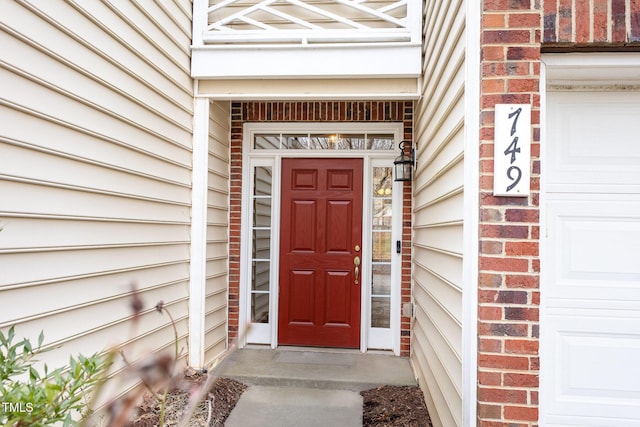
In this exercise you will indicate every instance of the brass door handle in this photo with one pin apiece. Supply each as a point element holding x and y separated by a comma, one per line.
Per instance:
<point>356,261</point>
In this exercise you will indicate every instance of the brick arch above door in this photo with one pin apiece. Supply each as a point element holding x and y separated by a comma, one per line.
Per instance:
<point>312,111</point>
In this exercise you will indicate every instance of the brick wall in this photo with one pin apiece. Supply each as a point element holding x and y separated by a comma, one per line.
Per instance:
<point>320,111</point>
<point>583,23</point>
<point>513,33</point>
<point>509,231</point>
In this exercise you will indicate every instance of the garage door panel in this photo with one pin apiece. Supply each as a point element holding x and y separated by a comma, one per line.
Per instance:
<point>599,149</point>
<point>590,348</point>
<point>597,245</point>
<point>590,258</point>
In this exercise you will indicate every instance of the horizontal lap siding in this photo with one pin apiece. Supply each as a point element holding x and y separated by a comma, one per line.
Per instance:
<point>437,215</point>
<point>217,231</point>
<point>95,142</point>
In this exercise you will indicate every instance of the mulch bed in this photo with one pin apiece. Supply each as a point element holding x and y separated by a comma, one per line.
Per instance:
<point>385,406</point>
<point>215,409</point>
<point>394,406</point>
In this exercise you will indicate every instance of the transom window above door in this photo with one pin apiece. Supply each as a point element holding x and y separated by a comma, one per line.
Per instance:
<point>323,141</point>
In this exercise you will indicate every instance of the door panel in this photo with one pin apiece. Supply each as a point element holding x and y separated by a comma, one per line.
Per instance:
<point>321,225</point>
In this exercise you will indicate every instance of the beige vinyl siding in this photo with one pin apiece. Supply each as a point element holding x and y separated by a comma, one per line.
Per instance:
<point>95,172</point>
<point>217,231</point>
<point>437,214</point>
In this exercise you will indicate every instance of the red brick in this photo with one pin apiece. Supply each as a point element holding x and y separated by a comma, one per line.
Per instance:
<point>634,31</point>
<point>490,345</point>
<point>550,21</point>
<point>565,25</point>
<point>487,199</point>
<point>493,86</point>
<point>535,298</point>
<point>505,5</point>
<point>499,69</point>
<point>486,165</point>
<point>535,265</point>
<point>490,215</point>
<point>506,36</point>
<point>521,313</point>
<point>487,118</point>
<point>512,297</point>
<point>600,20</point>
<point>492,53</point>
<point>504,231</point>
<point>486,183</point>
<point>490,313</point>
<point>535,331</point>
<point>491,247</point>
<point>619,22</point>
<point>504,264</point>
<point>522,281</point>
<point>519,53</point>
<point>489,101</point>
<point>533,397</point>
<point>487,134</point>
<point>486,150</point>
<point>522,215</point>
<point>488,279</point>
<point>490,411</point>
<point>493,20</point>
<point>523,85</point>
<point>489,378</point>
<point>524,20</point>
<point>497,395</point>
<point>511,379</point>
<point>487,296</point>
<point>583,21</point>
<point>521,248</point>
<point>498,329</point>
<point>521,413</point>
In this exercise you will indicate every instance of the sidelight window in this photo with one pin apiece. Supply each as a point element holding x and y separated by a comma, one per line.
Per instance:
<point>381,247</point>
<point>261,244</point>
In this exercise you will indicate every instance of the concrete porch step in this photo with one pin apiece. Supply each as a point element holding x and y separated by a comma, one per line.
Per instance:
<point>316,368</point>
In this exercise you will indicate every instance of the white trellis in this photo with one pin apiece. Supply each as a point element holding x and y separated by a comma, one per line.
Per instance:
<point>311,21</point>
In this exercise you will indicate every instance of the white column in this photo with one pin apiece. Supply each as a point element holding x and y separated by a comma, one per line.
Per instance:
<point>199,22</point>
<point>471,212</point>
<point>198,265</point>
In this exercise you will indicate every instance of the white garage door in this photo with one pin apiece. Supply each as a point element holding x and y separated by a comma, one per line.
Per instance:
<point>590,290</point>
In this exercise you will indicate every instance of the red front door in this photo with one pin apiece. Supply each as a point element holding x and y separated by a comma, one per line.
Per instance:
<point>320,237</point>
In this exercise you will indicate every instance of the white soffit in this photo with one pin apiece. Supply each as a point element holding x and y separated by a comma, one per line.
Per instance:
<point>293,89</point>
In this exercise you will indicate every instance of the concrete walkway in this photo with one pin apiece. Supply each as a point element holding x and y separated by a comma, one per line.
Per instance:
<point>307,387</point>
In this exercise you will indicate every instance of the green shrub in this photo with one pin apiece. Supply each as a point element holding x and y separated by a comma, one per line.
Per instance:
<point>29,397</point>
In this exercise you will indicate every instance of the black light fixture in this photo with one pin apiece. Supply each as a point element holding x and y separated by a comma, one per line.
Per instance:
<point>403,164</point>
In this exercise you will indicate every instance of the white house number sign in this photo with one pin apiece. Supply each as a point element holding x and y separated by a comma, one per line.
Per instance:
<point>512,150</point>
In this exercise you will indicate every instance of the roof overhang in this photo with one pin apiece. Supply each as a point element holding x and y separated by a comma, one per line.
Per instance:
<point>316,89</point>
<point>357,60</point>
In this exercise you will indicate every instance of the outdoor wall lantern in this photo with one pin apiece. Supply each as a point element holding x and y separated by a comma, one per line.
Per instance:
<point>404,164</point>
